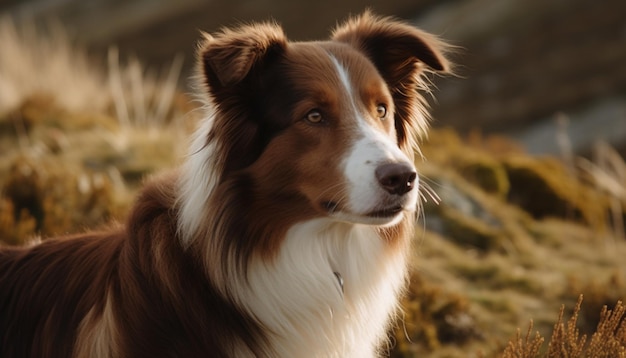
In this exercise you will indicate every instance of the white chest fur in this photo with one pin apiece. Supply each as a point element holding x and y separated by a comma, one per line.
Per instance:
<point>299,299</point>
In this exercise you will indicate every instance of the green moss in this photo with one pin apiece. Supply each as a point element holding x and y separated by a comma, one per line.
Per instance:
<point>487,174</point>
<point>545,188</point>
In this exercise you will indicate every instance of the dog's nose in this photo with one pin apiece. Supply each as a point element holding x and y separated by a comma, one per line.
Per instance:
<point>396,178</point>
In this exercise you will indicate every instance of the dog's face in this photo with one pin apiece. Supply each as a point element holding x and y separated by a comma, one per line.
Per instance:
<point>323,128</point>
<point>337,146</point>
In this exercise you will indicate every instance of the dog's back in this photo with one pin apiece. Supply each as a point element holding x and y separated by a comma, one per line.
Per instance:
<point>46,291</point>
<point>132,292</point>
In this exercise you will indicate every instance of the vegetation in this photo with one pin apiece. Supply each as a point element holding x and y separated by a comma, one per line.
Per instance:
<point>505,238</point>
<point>608,340</point>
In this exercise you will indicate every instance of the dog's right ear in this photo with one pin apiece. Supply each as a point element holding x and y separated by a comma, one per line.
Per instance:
<point>227,58</point>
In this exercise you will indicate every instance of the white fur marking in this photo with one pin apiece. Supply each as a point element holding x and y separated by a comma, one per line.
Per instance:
<point>372,149</point>
<point>297,297</point>
<point>97,335</point>
<point>345,81</point>
<point>198,179</point>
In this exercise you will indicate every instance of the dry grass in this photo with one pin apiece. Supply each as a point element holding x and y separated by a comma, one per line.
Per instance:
<point>608,340</point>
<point>511,264</point>
<point>608,173</point>
<point>32,64</point>
<point>74,148</point>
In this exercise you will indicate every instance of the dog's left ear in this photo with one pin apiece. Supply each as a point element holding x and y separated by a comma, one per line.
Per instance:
<point>401,53</point>
<point>394,47</point>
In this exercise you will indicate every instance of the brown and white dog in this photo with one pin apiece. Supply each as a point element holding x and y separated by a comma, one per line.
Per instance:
<point>284,234</point>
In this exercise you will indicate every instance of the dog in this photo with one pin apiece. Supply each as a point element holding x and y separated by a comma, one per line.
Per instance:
<point>286,231</point>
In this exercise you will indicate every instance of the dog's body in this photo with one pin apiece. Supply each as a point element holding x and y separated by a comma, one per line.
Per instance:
<point>285,233</point>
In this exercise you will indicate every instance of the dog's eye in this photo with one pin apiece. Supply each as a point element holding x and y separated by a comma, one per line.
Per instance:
<point>381,111</point>
<point>314,117</point>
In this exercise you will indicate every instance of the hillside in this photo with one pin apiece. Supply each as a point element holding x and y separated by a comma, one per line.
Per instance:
<point>521,63</point>
<point>505,238</point>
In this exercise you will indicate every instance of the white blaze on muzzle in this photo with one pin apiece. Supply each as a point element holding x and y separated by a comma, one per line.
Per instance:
<point>381,180</point>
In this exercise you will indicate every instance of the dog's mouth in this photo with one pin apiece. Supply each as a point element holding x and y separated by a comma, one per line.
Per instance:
<point>387,212</point>
<point>332,207</point>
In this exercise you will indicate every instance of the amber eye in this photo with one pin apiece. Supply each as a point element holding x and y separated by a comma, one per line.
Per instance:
<point>314,117</point>
<point>381,111</point>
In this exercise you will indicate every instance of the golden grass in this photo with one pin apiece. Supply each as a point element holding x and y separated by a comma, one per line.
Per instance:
<point>32,63</point>
<point>607,341</point>
<point>511,264</point>
<point>73,147</point>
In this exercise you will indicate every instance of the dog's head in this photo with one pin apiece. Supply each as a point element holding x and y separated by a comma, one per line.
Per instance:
<point>330,127</point>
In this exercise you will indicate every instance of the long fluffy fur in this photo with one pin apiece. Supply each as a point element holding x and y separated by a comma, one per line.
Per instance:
<point>227,256</point>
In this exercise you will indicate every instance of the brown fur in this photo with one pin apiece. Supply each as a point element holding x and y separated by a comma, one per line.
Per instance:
<point>48,290</point>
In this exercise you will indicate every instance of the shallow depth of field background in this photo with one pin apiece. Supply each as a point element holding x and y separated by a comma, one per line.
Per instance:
<point>524,178</point>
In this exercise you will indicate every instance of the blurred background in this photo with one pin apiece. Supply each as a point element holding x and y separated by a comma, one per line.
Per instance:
<point>522,63</point>
<point>524,182</point>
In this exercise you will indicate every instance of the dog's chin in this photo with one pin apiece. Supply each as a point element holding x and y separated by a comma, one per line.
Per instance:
<point>387,216</point>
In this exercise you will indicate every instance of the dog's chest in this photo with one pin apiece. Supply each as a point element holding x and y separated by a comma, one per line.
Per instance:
<point>330,292</point>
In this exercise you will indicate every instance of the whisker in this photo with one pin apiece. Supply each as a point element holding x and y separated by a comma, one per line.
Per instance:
<point>332,187</point>
<point>426,189</point>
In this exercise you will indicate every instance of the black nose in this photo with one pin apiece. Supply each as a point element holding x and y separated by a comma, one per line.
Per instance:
<point>396,178</point>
